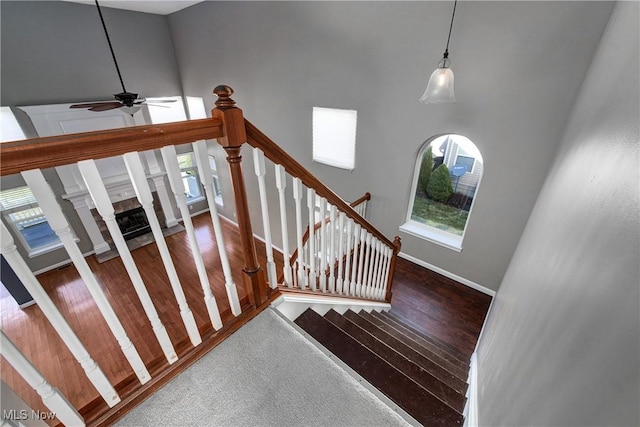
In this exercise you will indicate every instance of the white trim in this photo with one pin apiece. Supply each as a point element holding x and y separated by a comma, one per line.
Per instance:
<point>445,273</point>
<point>432,234</point>
<point>293,305</point>
<point>471,407</point>
<point>27,304</point>
<point>60,264</point>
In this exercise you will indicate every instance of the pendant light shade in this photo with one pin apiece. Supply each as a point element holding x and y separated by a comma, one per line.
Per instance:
<point>440,87</point>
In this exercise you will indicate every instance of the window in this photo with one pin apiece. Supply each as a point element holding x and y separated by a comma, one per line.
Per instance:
<point>217,190</point>
<point>446,178</point>
<point>334,137</point>
<point>189,172</point>
<point>22,213</point>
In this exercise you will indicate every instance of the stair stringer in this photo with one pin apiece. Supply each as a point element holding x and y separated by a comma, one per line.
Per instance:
<point>291,305</point>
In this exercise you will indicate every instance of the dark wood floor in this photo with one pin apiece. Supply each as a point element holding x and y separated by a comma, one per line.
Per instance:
<point>446,310</point>
<point>438,306</point>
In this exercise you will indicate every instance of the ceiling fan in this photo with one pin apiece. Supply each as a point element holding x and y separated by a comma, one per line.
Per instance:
<point>128,101</point>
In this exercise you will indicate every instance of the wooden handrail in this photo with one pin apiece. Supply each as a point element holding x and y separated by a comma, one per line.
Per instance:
<point>273,152</point>
<point>364,198</point>
<point>40,153</point>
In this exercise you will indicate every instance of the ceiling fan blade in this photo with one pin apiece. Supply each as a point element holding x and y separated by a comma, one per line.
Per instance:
<point>106,106</point>
<point>96,104</point>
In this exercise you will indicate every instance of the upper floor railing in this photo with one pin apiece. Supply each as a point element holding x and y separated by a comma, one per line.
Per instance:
<point>343,253</point>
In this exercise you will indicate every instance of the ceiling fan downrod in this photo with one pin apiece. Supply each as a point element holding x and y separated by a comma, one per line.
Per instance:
<point>127,98</point>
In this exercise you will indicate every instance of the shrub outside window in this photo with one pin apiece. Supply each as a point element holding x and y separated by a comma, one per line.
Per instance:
<point>446,179</point>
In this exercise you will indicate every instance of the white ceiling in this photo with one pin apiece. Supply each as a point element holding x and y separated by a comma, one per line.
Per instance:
<point>160,7</point>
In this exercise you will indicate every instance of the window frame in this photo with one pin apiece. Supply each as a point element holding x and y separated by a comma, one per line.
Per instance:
<point>195,175</point>
<point>426,232</point>
<point>26,204</point>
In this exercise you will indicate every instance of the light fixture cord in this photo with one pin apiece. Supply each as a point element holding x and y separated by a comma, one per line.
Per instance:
<point>446,50</point>
<point>111,47</point>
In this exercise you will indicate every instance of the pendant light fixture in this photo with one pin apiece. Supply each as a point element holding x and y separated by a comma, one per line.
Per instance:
<point>440,87</point>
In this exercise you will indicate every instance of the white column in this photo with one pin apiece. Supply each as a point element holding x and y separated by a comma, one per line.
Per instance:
<point>281,184</point>
<point>161,188</point>
<point>363,236</point>
<point>143,192</point>
<point>51,312</point>
<point>206,178</point>
<point>169,156</point>
<point>51,397</point>
<point>101,199</point>
<point>51,210</point>
<point>84,213</point>
<point>260,170</point>
<point>341,254</point>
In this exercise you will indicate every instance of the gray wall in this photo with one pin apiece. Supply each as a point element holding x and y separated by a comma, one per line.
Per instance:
<point>561,346</point>
<point>56,52</point>
<point>518,66</point>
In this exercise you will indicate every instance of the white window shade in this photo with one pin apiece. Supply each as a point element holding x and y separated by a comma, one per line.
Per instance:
<point>334,137</point>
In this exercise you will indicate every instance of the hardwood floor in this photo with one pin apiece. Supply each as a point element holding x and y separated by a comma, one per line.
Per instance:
<point>440,307</point>
<point>444,309</point>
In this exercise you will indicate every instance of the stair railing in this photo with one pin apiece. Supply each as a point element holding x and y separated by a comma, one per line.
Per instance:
<point>346,255</point>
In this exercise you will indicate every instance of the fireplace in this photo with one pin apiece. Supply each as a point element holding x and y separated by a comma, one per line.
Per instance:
<point>133,223</point>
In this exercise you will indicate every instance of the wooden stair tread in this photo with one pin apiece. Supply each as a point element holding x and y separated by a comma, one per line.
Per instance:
<point>416,357</point>
<point>444,347</point>
<point>410,337</point>
<point>432,384</point>
<point>414,399</point>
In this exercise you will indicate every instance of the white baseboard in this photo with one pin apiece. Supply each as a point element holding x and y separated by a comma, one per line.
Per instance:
<point>471,408</point>
<point>448,274</point>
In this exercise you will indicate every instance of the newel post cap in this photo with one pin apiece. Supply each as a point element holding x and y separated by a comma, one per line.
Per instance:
<point>224,93</point>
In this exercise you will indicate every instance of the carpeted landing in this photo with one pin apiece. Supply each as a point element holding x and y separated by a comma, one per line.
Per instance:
<point>266,374</point>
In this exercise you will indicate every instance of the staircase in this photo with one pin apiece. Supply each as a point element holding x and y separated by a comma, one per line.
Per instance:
<point>423,376</point>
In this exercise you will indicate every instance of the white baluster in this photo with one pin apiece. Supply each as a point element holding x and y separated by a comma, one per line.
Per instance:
<point>258,164</point>
<point>58,223</point>
<point>303,279</point>
<point>100,197</point>
<point>376,266</point>
<point>311,241</point>
<point>323,244</point>
<point>55,401</point>
<point>206,178</point>
<point>363,236</point>
<point>170,160</point>
<point>385,276</point>
<point>353,287</point>
<point>332,249</point>
<point>341,254</point>
<point>143,192</point>
<point>367,263</point>
<point>281,184</point>
<point>347,255</point>
<point>51,312</point>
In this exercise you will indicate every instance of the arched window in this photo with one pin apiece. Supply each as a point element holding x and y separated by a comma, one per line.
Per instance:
<point>445,182</point>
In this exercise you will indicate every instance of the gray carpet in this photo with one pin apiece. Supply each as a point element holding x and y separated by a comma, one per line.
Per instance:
<point>266,374</point>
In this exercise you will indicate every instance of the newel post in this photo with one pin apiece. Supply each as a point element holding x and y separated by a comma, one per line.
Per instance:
<point>397,244</point>
<point>232,141</point>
